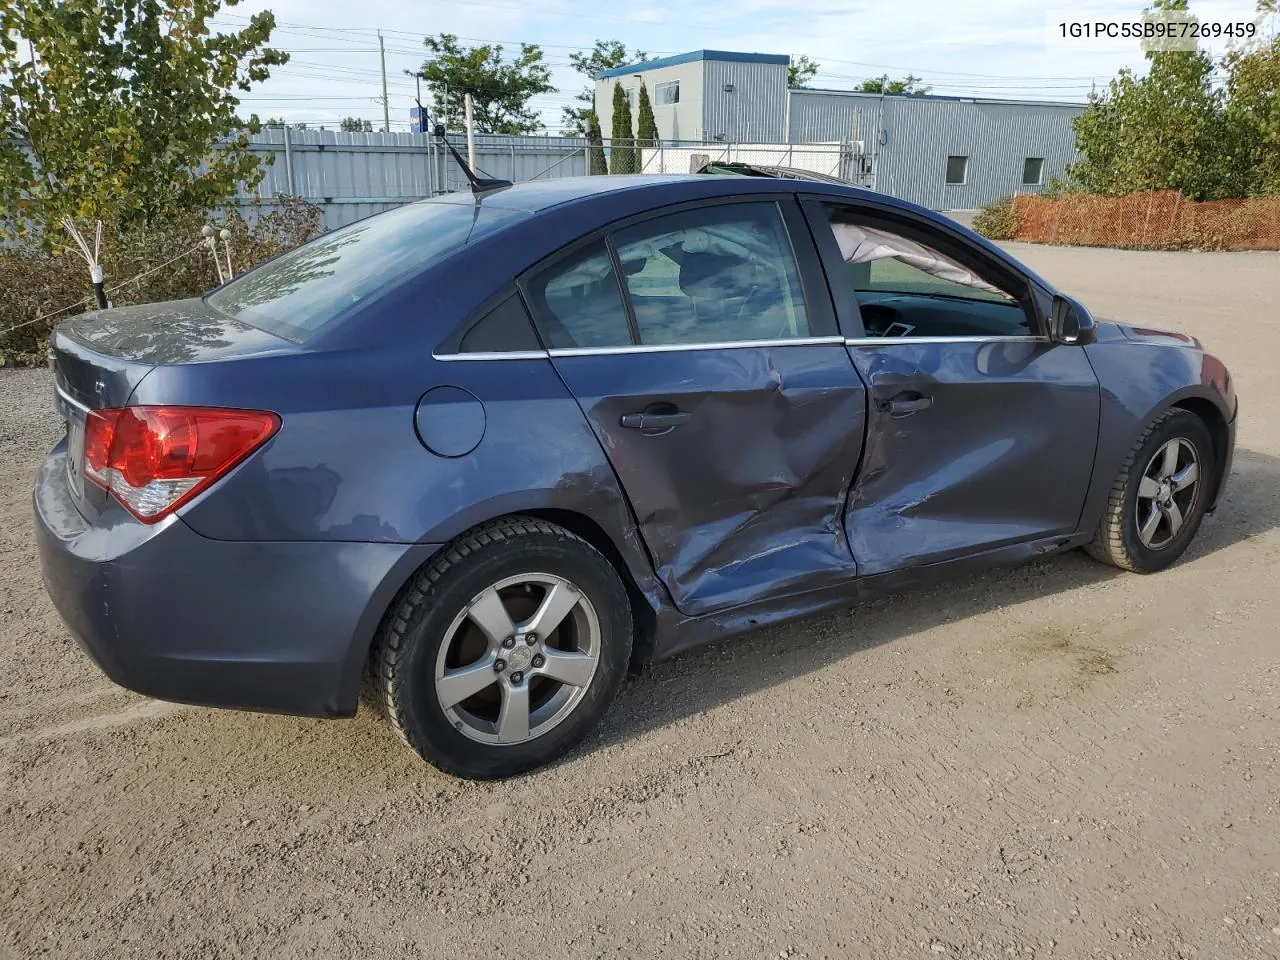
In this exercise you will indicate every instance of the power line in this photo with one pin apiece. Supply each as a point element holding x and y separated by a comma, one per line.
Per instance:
<point>358,40</point>
<point>924,73</point>
<point>290,27</point>
<point>950,73</point>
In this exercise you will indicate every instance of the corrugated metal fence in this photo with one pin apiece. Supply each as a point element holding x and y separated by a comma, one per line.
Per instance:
<point>353,175</point>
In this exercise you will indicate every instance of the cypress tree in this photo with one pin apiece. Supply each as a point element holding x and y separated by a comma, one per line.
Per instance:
<point>646,126</point>
<point>595,146</point>
<point>621,147</point>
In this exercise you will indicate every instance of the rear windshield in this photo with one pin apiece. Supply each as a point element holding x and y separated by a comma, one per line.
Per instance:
<point>301,292</point>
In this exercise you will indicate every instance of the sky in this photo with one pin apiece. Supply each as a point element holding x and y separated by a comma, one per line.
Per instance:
<point>996,48</point>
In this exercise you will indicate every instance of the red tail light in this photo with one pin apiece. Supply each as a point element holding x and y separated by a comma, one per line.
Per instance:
<point>154,459</point>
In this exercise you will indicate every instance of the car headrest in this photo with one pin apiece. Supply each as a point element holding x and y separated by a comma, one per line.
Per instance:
<point>714,276</point>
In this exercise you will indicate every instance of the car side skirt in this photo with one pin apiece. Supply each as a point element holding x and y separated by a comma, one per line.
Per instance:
<point>678,636</point>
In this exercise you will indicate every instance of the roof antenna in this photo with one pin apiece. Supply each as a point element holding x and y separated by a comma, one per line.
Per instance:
<point>478,184</point>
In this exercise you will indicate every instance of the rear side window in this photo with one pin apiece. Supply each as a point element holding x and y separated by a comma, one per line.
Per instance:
<point>578,303</point>
<point>721,274</point>
<point>302,292</point>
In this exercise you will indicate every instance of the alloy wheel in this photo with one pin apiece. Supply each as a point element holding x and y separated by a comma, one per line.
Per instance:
<point>518,659</point>
<point>1167,493</point>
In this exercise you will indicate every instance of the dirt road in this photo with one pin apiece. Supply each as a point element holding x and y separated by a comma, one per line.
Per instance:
<point>1053,761</point>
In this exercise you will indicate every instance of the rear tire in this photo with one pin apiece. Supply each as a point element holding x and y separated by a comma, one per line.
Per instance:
<point>1159,497</point>
<point>504,652</point>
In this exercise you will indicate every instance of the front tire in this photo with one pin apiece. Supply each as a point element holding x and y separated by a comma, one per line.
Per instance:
<point>504,651</point>
<point>1160,496</point>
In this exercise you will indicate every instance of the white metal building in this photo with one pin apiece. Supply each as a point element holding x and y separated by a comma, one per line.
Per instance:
<point>948,153</point>
<point>706,95</point>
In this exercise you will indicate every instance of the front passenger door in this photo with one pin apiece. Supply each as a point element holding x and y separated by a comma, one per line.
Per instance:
<point>704,354</point>
<point>981,431</point>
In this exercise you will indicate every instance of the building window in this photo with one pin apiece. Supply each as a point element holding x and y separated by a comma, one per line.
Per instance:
<point>631,96</point>
<point>957,169</point>
<point>666,94</point>
<point>1033,171</point>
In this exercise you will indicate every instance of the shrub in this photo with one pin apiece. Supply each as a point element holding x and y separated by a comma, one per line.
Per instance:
<point>998,220</point>
<point>1054,189</point>
<point>163,262</point>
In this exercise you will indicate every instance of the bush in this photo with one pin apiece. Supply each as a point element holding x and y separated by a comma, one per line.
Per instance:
<point>998,220</point>
<point>1054,189</point>
<point>165,262</point>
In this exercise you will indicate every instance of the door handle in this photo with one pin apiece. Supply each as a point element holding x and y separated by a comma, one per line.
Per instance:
<point>907,403</point>
<point>663,418</point>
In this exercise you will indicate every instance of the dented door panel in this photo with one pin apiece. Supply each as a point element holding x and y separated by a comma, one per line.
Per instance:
<point>743,498</point>
<point>1002,451</point>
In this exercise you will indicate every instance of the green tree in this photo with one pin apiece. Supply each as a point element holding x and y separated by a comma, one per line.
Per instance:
<point>800,71</point>
<point>646,124</point>
<point>355,125</point>
<point>1163,131</point>
<point>500,89</point>
<point>604,55</point>
<point>1253,112</point>
<point>622,154</point>
<point>111,109</point>
<point>595,142</point>
<point>908,84</point>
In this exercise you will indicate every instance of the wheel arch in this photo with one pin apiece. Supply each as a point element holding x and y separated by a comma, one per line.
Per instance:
<point>648,602</point>
<point>1219,431</point>
<point>642,606</point>
<point>1130,405</point>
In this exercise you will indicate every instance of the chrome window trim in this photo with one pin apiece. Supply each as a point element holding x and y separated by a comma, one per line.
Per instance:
<point>493,355</point>
<point>722,345</point>
<point>683,347</point>
<point>880,341</point>
<point>70,400</point>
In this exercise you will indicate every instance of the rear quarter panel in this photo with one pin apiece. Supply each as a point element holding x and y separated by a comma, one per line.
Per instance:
<point>347,464</point>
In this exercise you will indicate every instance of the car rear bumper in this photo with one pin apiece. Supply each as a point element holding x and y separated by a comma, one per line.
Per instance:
<point>276,627</point>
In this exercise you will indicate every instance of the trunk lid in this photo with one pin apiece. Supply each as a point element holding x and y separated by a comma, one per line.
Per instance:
<point>100,358</point>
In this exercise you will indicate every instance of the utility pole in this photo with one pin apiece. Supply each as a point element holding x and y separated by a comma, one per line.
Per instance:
<point>417,98</point>
<point>879,144</point>
<point>386,106</point>
<point>471,135</point>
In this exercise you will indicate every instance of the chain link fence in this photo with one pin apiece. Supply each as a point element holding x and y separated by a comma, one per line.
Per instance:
<point>846,160</point>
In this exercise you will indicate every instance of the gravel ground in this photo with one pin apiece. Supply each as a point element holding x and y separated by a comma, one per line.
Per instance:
<point>1053,761</point>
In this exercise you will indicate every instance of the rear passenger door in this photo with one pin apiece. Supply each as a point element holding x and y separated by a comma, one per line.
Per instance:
<point>702,346</point>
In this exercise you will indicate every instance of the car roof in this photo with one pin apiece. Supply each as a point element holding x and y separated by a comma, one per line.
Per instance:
<point>585,200</point>
<point>539,195</point>
<point>557,215</point>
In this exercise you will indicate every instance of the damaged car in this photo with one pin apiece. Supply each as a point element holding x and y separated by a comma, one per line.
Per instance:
<point>479,454</point>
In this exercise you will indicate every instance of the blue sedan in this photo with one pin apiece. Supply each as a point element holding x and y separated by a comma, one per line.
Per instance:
<point>479,454</point>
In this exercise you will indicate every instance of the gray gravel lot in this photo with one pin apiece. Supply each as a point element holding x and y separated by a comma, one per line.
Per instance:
<point>1053,761</point>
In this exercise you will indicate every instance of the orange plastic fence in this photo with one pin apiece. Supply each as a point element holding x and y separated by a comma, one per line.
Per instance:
<point>1161,220</point>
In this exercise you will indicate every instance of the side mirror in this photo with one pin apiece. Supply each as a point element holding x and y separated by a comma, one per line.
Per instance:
<point>1070,323</point>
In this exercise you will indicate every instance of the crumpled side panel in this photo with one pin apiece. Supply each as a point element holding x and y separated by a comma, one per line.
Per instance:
<point>745,499</point>
<point>1003,452</point>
